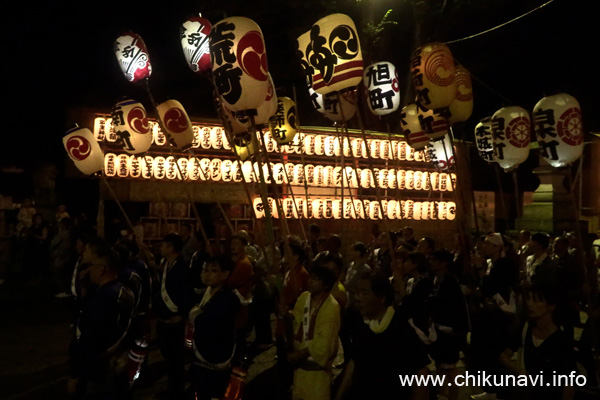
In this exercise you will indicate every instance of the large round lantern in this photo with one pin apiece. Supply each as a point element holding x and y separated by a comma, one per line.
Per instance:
<point>462,106</point>
<point>84,150</point>
<point>433,74</point>
<point>381,87</point>
<point>334,54</point>
<point>484,139</point>
<point>303,47</point>
<point>176,123</point>
<point>511,128</point>
<point>239,63</point>
<point>340,106</point>
<point>268,108</point>
<point>283,123</point>
<point>411,127</point>
<point>559,129</point>
<point>243,145</point>
<point>133,57</point>
<point>130,123</point>
<point>441,153</point>
<point>194,35</point>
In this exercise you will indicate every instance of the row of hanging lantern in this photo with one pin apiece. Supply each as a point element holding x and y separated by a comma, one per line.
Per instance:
<point>160,167</point>
<point>504,137</point>
<point>330,208</point>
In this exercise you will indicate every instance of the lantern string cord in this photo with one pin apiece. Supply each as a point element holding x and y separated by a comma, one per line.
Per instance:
<point>501,25</point>
<point>482,83</point>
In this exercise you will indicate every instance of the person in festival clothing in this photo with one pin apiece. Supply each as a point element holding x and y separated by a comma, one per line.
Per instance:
<point>338,291</point>
<point>357,267</point>
<point>100,329</point>
<point>540,268</point>
<point>316,325</point>
<point>196,264</point>
<point>213,320</point>
<point>408,236</point>
<point>171,306</point>
<point>384,346</point>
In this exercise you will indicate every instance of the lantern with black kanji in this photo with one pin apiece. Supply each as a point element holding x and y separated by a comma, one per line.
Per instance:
<point>381,88</point>
<point>84,150</point>
<point>559,129</point>
<point>130,123</point>
<point>441,153</point>
<point>511,129</point>
<point>484,139</point>
<point>334,54</point>
<point>433,74</point>
<point>194,36</point>
<point>133,57</point>
<point>340,106</point>
<point>283,123</point>
<point>239,63</point>
<point>413,133</point>
<point>177,123</point>
<point>434,123</point>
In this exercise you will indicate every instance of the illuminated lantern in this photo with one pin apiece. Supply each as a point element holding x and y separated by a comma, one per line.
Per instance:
<point>484,139</point>
<point>374,210</point>
<point>442,211</point>
<point>329,145</point>
<point>205,169</point>
<point>511,128</point>
<point>267,109</point>
<point>298,177</point>
<point>170,168</point>
<point>417,211</point>
<point>283,123</point>
<point>158,167</point>
<point>84,150</point>
<point>320,145</point>
<point>132,56</point>
<point>239,63</point>
<point>443,182</point>
<point>216,138</point>
<point>337,147</point>
<point>309,144</point>
<point>243,145</point>
<point>196,141</point>
<point>425,184</point>
<point>334,54</point>
<point>147,167</point>
<point>340,107</point>
<point>434,75</point>
<point>392,181</point>
<point>289,208</point>
<point>122,165</point>
<point>420,156</point>
<point>358,148</point>
<point>359,206</point>
<point>303,46</point>
<point>317,100</point>
<point>110,135</point>
<point>461,107</point>
<point>350,178</point>
<point>225,141</point>
<point>248,172</point>
<point>384,150</point>
<point>328,178</point>
<point>366,178</point>
<point>158,136</point>
<point>135,166</point>
<point>279,173</point>
<point>451,206</point>
<point>100,128</point>
<point>328,208</point>
<point>381,88</point>
<point>177,123</point>
<point>319,178</point>
<point>301,205</point>
<point>559,129</point>
<point>194,36</point>
<point>402,150</point>
<point>130,124</point>
<point>309,173</point>
<point>226,171</point>
<point>411,127</point>
<point>348,211</point>
<point>182,171</point>
<point>434,178</point>
<point>205,138</point>
<point>193,168</point>
<point>382,178</point>
<point>110,164</point>
<point>337,209</point>
<point>236,172</point>
<point>256,170</point>
<point>318,209</point>
<point>418,185</point>
<point>410,180</point>
<point>338,176</point>
<point>375,148</point>
<point>269,142</point>
<point>441,153</point>
<point>434,124</point>
<point>401,179</point>
<point>259,209</point>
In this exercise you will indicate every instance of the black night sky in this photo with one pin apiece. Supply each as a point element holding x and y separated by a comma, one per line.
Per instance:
<point>59,56</point>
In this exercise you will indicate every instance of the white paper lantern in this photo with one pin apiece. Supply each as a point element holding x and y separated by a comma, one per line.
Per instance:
<point>434,124</point>
<point>382,178</point>
<point>289,208</point>
<point>418,180</point>
<point>366,178</point>
<point>205,172</point>
<point>147,167</point>
<point>338,176</point>
<point>392,179</point>
<point>301,205</point>
<point>110,164</point>
<point>298,175</point>
<point>318,209</point>
<point>392,209</point>
<point>385,150</point>
<point>340,106</point>
<point>451,216</point>
<point>401,179</point>
<point>224,140</point>
<point>375,148</point>
<point>216,138</point>
<point>328,178</point>
<point>328,208</point>
<point>511,128</point>
<point>133,57</point>
<point>283,124</point>
<point>381,88</point>
<point>196,141</point>
<point>411,127</point>
<point>350,177</point>
<point>226,170</point>
<point>239,63</point>
<point>135,166</point>
<point>193,168</point>
<point>130,124</point>
<point>559,129</point>
<point>441,153</point>
<point>236,172</point>
<point>337,209</point>
<point>122,165</point>
<point>484,139</point>
<point>194,36</point>
<point>259,208</point>
<point>335,54</point>
<point>434,178</point>
<point>309,144</point>
<point>309,174</point>
<point>374,210</point>
<point>410,180</point>
<point>170,168</point>
<point>84,150</point>
<point>444,186</point>
<point>434,75</point>
<point>158,167</point>
<point>320,145</point>
<point>417,213</point>
<point>99,128</point>
<point>177,123</point>
<point>329,145</point>
<point>461,107</point>
<point>425,183</point>
<point>319,178</point>
<point>359,206</point>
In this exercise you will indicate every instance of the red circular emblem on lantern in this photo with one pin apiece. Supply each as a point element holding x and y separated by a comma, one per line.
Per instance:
<point>78,148</point>
<point>570,127</point>
<point>138,120</point>
<point>438,67</point>
<point>252,57</point>
<point>175,121</point>
<point>517,132</point>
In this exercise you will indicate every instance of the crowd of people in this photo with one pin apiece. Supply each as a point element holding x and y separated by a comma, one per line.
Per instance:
<point>394,305</point>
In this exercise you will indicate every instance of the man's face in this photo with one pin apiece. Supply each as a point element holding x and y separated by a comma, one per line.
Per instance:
<point>537,307</point>
<point>368,304</point>
<point>213,275</point>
